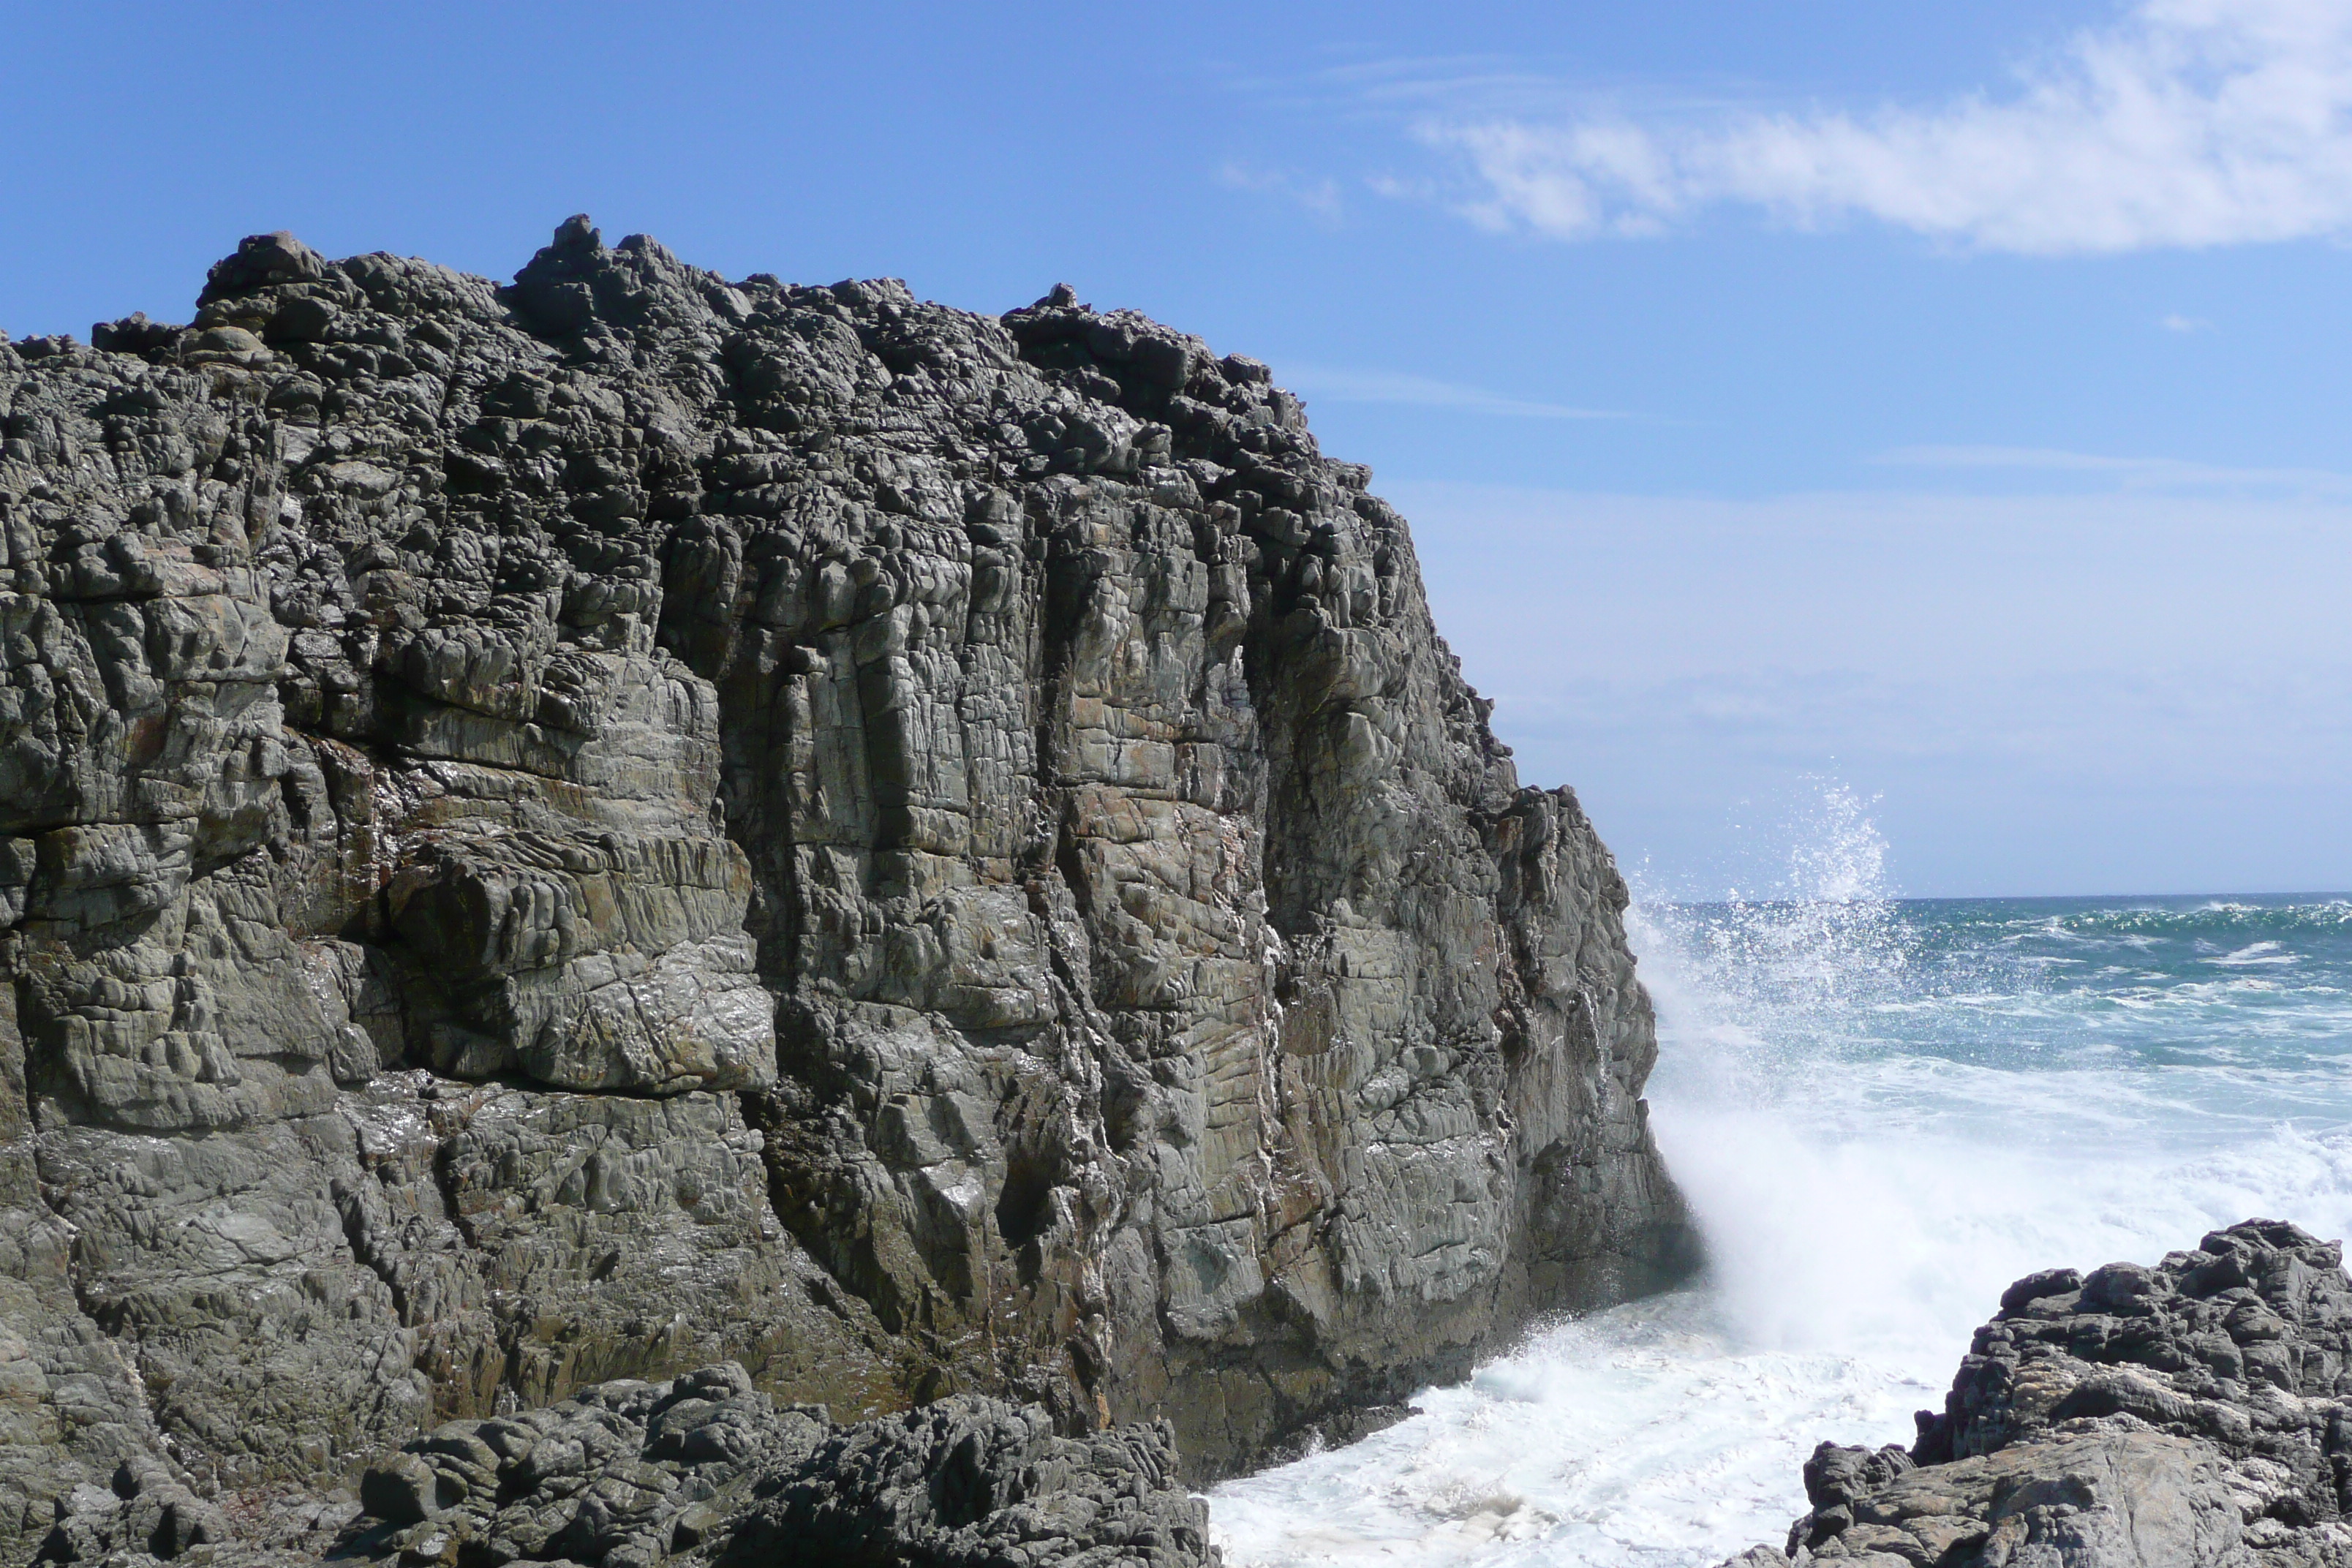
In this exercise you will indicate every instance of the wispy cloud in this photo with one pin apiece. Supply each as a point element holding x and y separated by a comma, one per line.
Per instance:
<point>2185,124</point>
<point>2138,473</point>
<point>1421,392</point>
<point>1319,197</point>
<point>2176,322</point>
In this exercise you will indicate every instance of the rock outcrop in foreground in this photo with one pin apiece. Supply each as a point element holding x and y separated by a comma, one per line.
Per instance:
<point>2195,1414</point>
<point>702,1471</point>
<point>594,828</point>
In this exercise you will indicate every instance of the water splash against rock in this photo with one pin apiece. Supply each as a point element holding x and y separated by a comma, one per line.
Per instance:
<point>1753,983</point>
<point>1884,1112</point>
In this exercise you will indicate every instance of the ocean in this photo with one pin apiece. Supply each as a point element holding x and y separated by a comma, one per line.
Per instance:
<point>1882,1111</point>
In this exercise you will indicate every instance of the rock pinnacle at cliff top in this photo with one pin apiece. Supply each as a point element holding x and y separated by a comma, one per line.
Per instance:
<point>630,822</point>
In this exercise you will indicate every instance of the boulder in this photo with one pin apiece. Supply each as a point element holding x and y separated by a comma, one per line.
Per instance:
<point>705,1470</point>
<point>2196,1414</point>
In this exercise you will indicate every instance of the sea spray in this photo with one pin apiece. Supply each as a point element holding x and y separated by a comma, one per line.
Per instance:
<point>1767,1003</point>
<point>1884,1111</point>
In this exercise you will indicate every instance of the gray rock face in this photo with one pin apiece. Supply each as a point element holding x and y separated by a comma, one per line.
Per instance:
<point>694,1472</point>
<point>591,828</point>
<point>2198,1413</point>
<point>2099,1500</point>
<point>706,1470</point>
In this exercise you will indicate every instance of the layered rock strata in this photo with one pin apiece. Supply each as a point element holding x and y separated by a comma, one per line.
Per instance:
<point>2195,1414</point>
<point>589,828</point>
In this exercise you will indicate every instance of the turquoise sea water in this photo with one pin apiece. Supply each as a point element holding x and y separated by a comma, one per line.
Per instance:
<point>1883,1111</point>
<point>2115,1019</point>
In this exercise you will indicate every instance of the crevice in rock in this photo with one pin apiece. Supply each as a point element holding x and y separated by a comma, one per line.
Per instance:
<point>1024,1208</point>
<point>349,1201</point>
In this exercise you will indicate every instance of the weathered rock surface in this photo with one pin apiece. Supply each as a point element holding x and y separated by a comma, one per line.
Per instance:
<point>704,1469</point>
<point>629,821</point>
<point>700,1471</point>
<point>2193,1415</point>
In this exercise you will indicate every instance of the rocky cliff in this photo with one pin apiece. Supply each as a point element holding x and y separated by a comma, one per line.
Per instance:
<point>587,828</point>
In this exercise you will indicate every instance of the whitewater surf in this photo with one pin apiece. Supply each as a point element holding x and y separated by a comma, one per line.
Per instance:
<point>1883,1113</point>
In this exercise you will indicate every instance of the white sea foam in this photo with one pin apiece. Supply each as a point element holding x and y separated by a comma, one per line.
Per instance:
<point>1877,1134</point>
<point>2255,953</point>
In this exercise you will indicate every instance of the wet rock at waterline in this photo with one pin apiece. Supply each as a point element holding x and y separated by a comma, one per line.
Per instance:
<point>2194,1415</point>
<point>629,821</point>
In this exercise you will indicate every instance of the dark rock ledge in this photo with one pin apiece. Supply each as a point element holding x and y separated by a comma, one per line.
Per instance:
<point>557,836</point>
<point>2195,1414</point>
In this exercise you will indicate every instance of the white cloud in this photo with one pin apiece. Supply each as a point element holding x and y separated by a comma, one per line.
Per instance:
<point>1421,392</point>
<point>1319,197</point>
<point>2185,124</point>
<point>2176,322</point>
<point>2132,473</point>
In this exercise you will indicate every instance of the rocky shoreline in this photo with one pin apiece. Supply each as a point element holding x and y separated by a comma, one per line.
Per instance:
<point>702,1471</point>
<point>563,836</point>
<point>2190,1415</point>
<point>2195,1414</point>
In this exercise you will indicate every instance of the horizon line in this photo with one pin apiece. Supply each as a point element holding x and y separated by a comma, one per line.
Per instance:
<point>2344,895</point>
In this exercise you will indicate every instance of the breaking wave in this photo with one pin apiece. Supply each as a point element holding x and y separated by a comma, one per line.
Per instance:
<point>1882,1111</point>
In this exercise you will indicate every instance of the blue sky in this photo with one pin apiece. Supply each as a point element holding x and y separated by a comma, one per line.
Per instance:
<point>1950,401</point>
